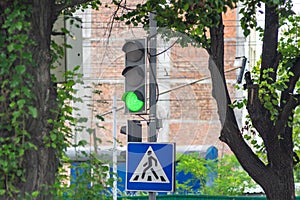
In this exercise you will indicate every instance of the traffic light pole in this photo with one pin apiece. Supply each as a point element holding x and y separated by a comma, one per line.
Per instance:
<point>152,86</point>
<point>152,80</point>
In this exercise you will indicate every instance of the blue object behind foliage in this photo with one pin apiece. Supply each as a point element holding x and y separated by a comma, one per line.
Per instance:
<point>210,154</point>
<point>76,172</point>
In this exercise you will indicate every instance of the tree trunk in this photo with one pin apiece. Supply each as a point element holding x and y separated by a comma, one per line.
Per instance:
<point>41,165</point>
<point>276,177</point>
<point>280,184</point>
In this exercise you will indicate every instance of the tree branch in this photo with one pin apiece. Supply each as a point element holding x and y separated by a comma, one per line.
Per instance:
<point>217,45</point>
<point>292,82</point>
<point>255,109</point>
<point>230,133</point>
<point>270,43</point>
<point>294,100</point>
<point>296,71</point>
<point>112,19</point>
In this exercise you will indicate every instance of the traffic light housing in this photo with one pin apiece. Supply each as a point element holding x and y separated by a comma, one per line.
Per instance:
<point>135,73</point>
<point>133,130</point>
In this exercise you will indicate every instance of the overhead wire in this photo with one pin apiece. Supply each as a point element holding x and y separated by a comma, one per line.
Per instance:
<point>172,89</point>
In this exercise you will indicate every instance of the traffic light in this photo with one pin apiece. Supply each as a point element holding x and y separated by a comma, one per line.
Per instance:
<point>133,130</point>
<point>135,73</point>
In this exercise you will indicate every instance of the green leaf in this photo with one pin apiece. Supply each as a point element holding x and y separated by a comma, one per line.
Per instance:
<point>12,104</point>
<point>11,47</point>
<point>20,69</point>
<point>275,102</point>
<point>21,103</point>
<point>31,145</point>
<point>19,25</point>
<point>268,105</point>
<point>100,117</point>
<point>253,142</point>
<point>33,111</point>
<point>90,130</point>
<point>19,173</point>
<point>186,6</point>
<point>247,137</point>
<point>82,143</point>
<point>82,120</point>
<point>35,193</point>
<point>53,137</point>
<point>2,191</point>
<point>26,91</point>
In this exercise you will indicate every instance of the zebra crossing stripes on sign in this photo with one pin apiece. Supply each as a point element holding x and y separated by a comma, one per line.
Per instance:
<point>150,167</point>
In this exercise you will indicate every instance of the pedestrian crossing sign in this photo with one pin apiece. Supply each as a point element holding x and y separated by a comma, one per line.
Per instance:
<point>149,170</point>
<point>150,167</point>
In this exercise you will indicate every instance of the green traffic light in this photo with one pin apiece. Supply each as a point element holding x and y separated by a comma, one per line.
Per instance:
<point>132,101</point>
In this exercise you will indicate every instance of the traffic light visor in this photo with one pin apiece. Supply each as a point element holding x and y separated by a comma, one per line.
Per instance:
<point>134,75</point>
<point>134,50</point>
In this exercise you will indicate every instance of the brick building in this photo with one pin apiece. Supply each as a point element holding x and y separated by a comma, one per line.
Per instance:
<point>189,113</point>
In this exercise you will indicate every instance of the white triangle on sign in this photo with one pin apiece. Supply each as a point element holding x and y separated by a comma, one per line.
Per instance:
<point>149,170</point>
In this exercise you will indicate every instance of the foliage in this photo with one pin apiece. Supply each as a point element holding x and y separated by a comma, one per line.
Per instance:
<point>190,27</point>
<point>228,176</point>
<point>71,9</point>
<point>19,105</point>
<point>93,180</point>
<point>93,177</point>
<point>273,97</point>
<point>288,48</point>
<point>16,100</point>
<point>270,93</point>
<point>250,8</point>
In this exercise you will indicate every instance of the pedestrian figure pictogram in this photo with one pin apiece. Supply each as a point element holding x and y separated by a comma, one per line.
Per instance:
<point>149,165</point>
<point>149,170</point>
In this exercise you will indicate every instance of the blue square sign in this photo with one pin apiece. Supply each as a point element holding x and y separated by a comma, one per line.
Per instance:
<point>150,167</point>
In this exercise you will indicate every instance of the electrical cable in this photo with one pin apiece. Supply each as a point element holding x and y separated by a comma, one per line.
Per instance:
<point>175,88</point>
